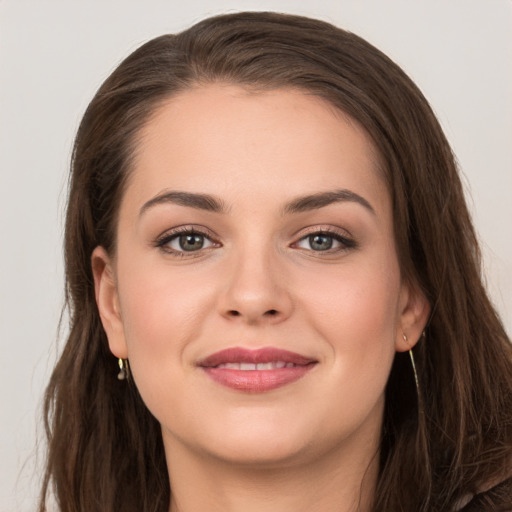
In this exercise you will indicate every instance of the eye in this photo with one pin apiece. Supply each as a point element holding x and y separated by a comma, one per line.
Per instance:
<point>181,241</point>
<point>319,242</point>
<point>189,242</point>
<point>324,241</point>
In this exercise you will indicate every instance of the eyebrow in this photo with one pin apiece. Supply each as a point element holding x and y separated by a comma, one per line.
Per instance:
<point>192,200</point>
<point>213,204</point>
<point>321,199</point>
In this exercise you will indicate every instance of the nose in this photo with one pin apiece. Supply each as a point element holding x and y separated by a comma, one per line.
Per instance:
<point>256,290</point>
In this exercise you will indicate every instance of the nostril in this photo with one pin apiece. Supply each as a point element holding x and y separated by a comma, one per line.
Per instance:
<point>268,313</point>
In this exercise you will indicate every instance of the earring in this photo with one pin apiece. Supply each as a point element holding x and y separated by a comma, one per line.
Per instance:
<point>123,369</point>
<point>416,380</point>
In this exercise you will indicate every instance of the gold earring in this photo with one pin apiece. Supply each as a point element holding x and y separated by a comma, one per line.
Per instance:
<point>123,369</point>
<point>416,380</point>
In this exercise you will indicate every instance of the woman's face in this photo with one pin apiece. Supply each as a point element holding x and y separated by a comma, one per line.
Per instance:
<point>256,229</point>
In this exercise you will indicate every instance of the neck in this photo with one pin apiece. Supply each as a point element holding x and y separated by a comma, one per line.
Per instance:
<point>338,482</point>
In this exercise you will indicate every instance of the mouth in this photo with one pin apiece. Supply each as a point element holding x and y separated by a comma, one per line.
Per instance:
<point>256,371</point>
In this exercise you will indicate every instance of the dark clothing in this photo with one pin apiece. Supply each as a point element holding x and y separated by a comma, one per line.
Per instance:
<point>497,499</point>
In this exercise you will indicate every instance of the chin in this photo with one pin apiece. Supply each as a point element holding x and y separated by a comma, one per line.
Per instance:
<point>261,450</point>
<point>270,442</point>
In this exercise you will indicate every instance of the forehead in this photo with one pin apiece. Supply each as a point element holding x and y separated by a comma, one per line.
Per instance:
<point>222,138</point>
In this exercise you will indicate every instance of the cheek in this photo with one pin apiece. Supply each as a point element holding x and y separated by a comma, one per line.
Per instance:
<point>161,311</point>
<point>360,299</point>
<point>356,314</point>
<point>356,311</point>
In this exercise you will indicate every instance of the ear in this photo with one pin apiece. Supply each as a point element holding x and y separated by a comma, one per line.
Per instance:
<point>107,300</point>
<point>413,316</point>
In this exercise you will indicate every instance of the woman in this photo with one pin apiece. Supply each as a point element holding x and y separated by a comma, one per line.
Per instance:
<point>264,220</point>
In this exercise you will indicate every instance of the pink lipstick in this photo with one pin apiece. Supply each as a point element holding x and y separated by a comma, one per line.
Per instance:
<point>256,371</point>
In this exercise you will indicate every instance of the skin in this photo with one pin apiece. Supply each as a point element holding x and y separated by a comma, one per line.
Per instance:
<point>259,282</point>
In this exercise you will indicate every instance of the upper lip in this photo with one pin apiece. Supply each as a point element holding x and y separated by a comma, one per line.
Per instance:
<point>262,355</point>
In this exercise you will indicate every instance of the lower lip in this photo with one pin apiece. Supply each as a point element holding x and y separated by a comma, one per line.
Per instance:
<point>257,381</point>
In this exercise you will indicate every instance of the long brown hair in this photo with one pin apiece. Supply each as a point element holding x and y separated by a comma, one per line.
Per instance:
<point>105,449</point>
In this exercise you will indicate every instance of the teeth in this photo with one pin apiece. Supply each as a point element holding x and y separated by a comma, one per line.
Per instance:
<point>265,366</point>
<point>253,366</point>
<point>230,366</point>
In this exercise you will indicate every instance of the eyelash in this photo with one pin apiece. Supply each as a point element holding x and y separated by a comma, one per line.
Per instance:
<point>169,236</point>
<point>345,242</point>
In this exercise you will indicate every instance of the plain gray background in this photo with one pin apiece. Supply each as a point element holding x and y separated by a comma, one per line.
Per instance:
<point>53,56</point>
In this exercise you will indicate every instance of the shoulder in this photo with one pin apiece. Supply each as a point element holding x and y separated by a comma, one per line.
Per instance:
<point>496,499</point>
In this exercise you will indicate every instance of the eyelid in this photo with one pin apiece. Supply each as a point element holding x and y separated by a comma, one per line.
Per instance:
<point>346,240</point>
<point>342,236</point>
<point>170,234</point>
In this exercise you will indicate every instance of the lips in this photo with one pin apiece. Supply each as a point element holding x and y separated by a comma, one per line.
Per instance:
<point>256,371</point>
